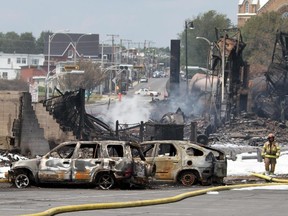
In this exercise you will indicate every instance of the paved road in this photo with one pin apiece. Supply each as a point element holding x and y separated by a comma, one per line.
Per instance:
<point>138,106</point>
<point>155,84</point>
<point>255,202</point>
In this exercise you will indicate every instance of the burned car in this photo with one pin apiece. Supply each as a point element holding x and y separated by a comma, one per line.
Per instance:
<point>182,162</point>
<point>100,163</point>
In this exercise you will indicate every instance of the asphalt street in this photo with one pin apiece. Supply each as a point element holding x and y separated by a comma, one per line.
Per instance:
<point>255,202</point>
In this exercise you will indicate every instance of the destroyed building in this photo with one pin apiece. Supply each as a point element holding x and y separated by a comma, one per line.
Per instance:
<point>224,94</point>
<point>270,92</point>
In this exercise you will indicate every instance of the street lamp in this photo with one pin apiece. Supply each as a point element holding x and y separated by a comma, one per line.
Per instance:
<point>102,66</point>
<point>209,63</point>
<point>211,44</point>
<point>75,46</point>
<point>50,38</point>
<point>127,49</point>
<point>188,24</point>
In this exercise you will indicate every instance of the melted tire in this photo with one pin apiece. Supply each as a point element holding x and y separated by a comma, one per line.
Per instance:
<point>188,178</point>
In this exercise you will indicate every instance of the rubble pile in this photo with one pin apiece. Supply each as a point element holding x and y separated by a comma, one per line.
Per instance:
<point>247,133</point>
<point>252,130</point>
<point>6,157</point>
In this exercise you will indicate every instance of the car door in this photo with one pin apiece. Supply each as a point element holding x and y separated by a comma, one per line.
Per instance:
<point>56,166</point>
<point>145,92</point>
<point>87,161</point>
<point>166,157</point>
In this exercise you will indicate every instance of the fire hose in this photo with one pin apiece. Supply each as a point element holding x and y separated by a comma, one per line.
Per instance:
<point>140,203</point>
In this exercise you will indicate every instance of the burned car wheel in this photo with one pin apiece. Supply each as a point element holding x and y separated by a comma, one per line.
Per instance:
<point>188,178</point>
<point>22,180</point>
<point>106,181</point>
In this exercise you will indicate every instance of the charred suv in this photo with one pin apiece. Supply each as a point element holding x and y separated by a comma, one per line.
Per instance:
<point>100,163</point>
<point>185,163</point>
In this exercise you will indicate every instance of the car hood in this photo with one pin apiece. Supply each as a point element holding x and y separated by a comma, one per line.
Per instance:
<point>30,163</point>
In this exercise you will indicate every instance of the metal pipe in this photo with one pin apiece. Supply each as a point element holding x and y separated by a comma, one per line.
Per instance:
<point>186,56</point>
<point>210,51</point>
<point>191,26</point>
<point>210,68</point>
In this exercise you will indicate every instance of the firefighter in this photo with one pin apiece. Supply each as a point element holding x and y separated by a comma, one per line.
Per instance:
<point>270,152</point>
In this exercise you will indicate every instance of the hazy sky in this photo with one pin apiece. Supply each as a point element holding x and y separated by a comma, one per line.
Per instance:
<point>158,21</point>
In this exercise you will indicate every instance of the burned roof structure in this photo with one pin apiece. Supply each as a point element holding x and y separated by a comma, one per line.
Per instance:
<point>271,99</point>
<point>69,111</point>
<point>227,65</point>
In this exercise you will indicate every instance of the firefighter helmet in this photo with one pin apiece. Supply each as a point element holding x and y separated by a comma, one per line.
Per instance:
<point>271,135</point>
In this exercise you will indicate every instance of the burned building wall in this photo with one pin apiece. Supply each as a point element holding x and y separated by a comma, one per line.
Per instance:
<point>175,68</point>
<point>162,131</point>
<point>9,111</point>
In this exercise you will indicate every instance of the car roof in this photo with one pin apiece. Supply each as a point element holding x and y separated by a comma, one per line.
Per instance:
<point>101,142</point>
<point>183,144</point>
<point>178,142</point>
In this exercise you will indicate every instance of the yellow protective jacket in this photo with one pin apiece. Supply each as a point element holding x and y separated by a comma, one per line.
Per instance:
<point>271,150</point>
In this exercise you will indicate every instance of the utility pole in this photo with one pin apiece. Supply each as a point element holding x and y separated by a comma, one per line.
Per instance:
<point>113,47</point>
<point>188,25</point>
<point>127,49</point>
<point>147,50</point>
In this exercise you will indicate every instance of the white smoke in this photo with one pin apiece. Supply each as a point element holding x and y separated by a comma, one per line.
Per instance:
<point>130,110</point>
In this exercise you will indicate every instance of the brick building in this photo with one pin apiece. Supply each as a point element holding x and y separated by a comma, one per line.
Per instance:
<point>249,8</point>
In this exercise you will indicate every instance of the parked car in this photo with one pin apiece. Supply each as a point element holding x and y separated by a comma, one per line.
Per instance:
<point>147,92</point>
<point>186,163</point>
<point>144,80</point>
<point>100,163</point>
<point>162,74</point>
<point>156,74</point>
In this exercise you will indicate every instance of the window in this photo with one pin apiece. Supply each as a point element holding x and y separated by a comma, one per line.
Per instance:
<point>115,150</point>
<point>8,61</point>
<point>5,75</point>
<point>148,150</point>
<point>88,151</point>
<point>85,153</point>
<point>63,152</point>
<point>247,7</point>
<point>23,60</point>
<point>70,53</point>
<point>194,152</point>
<point>167,150</point>
<point>18,60</point>
<point>35,61</point>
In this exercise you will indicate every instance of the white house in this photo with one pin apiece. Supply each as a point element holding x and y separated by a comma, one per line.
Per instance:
<point>11,63</point>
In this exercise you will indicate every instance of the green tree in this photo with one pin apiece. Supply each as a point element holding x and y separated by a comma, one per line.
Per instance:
<point>93,76</point>
<point>259,33</point>
<point>40,42</point>
<point>27,43</point>
<point>204,26</point>
<point>10,42</point>
<point>2,40</point>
